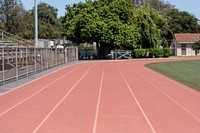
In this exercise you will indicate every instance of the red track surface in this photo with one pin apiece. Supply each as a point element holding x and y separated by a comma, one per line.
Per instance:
<point>102,97</point>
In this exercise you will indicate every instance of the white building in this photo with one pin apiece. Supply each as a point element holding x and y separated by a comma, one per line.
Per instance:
<point>182,44</point>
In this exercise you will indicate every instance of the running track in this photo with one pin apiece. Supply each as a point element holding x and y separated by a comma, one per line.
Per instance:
<point>101,97</point>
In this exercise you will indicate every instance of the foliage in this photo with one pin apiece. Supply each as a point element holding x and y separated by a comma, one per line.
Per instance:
<point>166,52</point>
<point>156,52</point>
<point>16,20</point>
<point>196,46</point>
<point>182,22</point>
<point>108,23</point>
<point>49,26</point>
<point>150,23</point>
<point>160,5</point>
<point>139,53</point>
<point>12,13</point>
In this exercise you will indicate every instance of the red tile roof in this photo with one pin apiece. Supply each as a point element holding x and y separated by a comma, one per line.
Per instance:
<point>187,37</point>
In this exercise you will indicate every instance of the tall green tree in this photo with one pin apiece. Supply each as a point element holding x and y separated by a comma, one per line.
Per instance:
<point>108,23</point>
<point>151,24</point>
<point>160,5</point>
<point>12,13</point>
<point>50,27</point>
<point>182,22</point>
<point>196,47</point>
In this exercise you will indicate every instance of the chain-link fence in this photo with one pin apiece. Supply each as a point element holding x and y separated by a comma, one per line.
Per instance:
<point>20,62</point>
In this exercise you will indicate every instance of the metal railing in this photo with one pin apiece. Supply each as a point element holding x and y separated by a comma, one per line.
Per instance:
<point>20,62</point>
<point>121,54</point>
<point>8,38</point>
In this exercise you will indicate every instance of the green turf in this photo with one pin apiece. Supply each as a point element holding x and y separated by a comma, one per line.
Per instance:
<point>185,72</point>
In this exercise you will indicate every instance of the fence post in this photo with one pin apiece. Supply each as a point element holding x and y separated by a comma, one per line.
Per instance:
<point>52,53</point>
<point>47,61</point>
<point>35,59</point>
<point>2,35</point>
<point>76,53</point>
<point>26,61</point>
<point>3,63</point>
<point>66,56</point>
<point>41,52</point>
<point>16,57</point>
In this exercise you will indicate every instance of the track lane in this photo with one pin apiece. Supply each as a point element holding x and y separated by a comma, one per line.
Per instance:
<point>28,90</point>
<point>76,113</point>
<point>30,113</point>
<point>109,93</point>
<point>179,93</point>
<point>118,111</point>
<point>138,103</point>
<point>164,113</point>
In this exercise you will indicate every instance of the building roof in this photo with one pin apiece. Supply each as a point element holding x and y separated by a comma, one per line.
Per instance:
<point>187,37</point>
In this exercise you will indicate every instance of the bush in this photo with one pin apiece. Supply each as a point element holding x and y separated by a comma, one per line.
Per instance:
<point>155,53</point>
<point>139,53</point>
<point>158,53</point>
<point>151,53</point>
<point>166,52</point>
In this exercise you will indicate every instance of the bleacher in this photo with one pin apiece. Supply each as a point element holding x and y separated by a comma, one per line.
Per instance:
<point>7,39</point>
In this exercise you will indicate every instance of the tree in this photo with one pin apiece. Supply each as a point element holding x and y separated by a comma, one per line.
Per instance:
<point>50,27</point>
<point>28,25</point>
<point>151,24</point>
<point>196,47</point>
<point>108,23</point>
<point>182,22</point>
<point>12,13</point>
<point>160,5</point>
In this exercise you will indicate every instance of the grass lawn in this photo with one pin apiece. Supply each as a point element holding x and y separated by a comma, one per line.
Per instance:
<point>185,72</point>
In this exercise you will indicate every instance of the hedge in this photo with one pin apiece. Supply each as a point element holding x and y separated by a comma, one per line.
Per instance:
<point>139,53</point>
<point>151,53</point>
<point>166,52</point>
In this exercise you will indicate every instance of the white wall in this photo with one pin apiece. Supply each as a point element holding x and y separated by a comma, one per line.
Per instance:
<point>189,51</point>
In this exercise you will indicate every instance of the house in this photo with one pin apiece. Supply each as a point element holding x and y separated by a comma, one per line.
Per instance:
<point>182,44</point>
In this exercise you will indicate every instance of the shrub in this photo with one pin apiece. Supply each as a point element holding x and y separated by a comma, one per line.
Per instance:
<point>139,53</point>
<point>166,52</point>
<point>155,53</point>
<point>151,53</point>
<point>158,53</point>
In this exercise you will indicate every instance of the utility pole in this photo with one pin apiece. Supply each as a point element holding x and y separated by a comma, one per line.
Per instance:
<point>36,24</point>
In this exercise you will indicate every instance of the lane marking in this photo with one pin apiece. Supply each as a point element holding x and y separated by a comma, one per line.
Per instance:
<point>98,102</point>
<point>14,89</point>
<point>58,104</point>
<point>37,92</point>
<point>173,100</point>
<point>175,82</point>
<point>135,98</point>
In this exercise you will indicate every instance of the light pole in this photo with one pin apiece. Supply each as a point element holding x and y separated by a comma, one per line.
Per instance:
<point>36,24</point>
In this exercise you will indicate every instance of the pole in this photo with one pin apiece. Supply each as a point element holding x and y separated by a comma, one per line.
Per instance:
<point>36,24</point>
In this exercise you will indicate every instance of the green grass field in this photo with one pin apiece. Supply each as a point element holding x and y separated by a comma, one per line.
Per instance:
<point>185,72</point>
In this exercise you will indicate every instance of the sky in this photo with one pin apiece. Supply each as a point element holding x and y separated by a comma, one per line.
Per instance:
<point>191,6</point>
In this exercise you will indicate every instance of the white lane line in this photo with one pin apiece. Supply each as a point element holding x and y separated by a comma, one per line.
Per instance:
<point>140,107</point>
<point>2,94</point>
<point>173,100</point>
<point>36,92</point>
<point>98,103</point>
<point>57,105</point>
<point>175,82</point>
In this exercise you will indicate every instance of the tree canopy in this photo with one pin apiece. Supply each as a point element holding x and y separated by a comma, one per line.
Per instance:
<point>182,22</point>
<point>115,24</point>
<point>112,24</point>
<point>16,20</point>
<point>108,23</point>
<point>196,47</point>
